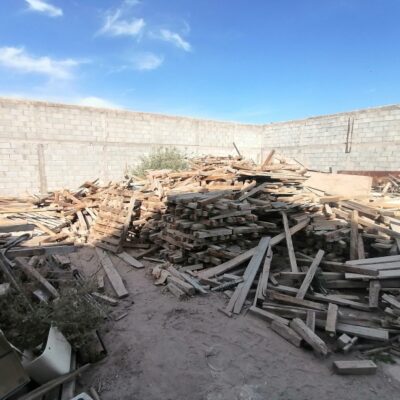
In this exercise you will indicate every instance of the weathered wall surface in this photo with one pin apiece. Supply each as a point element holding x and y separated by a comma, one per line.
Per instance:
<point>371,137</point>
<point>45,146</point>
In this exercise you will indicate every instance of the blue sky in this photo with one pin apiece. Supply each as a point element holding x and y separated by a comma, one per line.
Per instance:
<point>252,61</point>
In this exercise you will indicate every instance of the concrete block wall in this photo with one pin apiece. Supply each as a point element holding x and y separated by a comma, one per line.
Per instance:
<point>46,146</point>
<point>320,142</point>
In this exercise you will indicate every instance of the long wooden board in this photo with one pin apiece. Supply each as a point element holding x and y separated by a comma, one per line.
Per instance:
<point>112,274</point>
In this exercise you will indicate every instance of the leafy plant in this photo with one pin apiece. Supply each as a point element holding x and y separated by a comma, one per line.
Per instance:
<point>71,313</point>
<point>161,158</point>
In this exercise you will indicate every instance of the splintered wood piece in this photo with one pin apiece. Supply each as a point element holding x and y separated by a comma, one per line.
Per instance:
<point>331,319</point>
<point>112,274</point>
<point>355,367</point>
<point>287,333</point>
<point>375,260</point>
<point>289,243</point>
<point>310,320</point>
<point>374,290</point>
<point>310,275</point>
<point>239,297</point>
<point>35,274</point>
<point>130,260</point>
<point>309,336</point>
<point>354,236</point>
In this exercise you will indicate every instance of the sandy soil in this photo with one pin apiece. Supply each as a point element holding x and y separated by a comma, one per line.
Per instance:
<point>180,350</point>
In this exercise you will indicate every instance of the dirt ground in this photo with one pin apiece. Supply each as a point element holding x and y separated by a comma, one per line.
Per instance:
<point>187,350</point>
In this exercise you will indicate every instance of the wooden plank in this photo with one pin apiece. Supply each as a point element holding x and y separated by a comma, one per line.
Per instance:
<point>289,243</point>
<point>310,275</point>
<point>253,191</point>
<point>265,272</point>
<point>354,235</point>
<point>331,319</point>
<point>374,290</point>
<point>40,391</point>
<point>284,298</point>
<point>240,259</point>
<point>377,334</point>
<point>182,285</point>
<point>287,333</point>
<point>370,224</point>
<point>130,260</point>
<point>268,316</point>
<point>309,336</point>
<point>340,184</point>
<point>375,260</point>
<point>310,320</point>
<point>355,367</point>
<point>35,274</point>
<point>237,300</point>
<point>268,159</point>
<point>112,274</point>
<point>391,300</point>
<point>105,299</point>
<point>360,247</point>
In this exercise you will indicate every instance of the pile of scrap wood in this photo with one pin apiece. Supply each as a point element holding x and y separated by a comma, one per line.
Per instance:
<point>316,255</point>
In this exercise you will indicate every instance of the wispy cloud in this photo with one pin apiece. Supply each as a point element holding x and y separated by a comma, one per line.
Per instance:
<point>114,25</point>
<point>93,101</point>
<point>45,8</point>
<point>147,61</point>
<point>17,59</point>
<point>174,38</point>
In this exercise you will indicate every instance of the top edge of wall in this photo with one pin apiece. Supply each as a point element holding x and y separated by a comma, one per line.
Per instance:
<point>340,114</point>
<point>34,102</point>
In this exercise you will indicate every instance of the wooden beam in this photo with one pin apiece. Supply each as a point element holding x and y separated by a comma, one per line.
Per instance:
<point>239,296</point>
<point>268,159</point>
<point>112,274</point>
<point>309,336</point>
<point>287,333</point>
<point>331,319</point>
<point>354,235</point>
<point>289,244</point>
<point>240,259</point>
<point>130,260</point>
<point>310,275</point>
<point>374,290</point>
<point>33,273</point>
<point>355,367</point>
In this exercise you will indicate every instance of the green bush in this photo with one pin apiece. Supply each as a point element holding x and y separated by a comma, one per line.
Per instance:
<point>161,158</point>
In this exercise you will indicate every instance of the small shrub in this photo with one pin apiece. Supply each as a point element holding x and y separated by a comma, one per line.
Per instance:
<point>161,158</point>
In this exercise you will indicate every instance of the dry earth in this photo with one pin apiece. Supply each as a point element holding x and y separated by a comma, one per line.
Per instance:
<point>187,350</point>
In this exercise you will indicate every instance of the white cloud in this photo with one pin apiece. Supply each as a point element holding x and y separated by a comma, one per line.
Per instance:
<point>147,61</point>
<point>45,8</point>
<point>19,60</point>
<point>93,101</point>
<point>115,26</point>
<point>175,39</point>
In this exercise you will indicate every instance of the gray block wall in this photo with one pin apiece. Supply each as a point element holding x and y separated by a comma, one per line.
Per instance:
<point>364,140</point>
<point>46,146</point>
